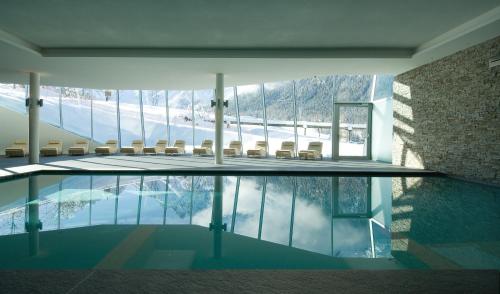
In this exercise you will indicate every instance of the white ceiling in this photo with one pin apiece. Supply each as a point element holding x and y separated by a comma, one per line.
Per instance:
<point>181,44</point>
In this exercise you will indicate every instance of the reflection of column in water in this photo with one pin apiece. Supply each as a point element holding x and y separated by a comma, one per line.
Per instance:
<point>216,226</point>
<point>33,225</point>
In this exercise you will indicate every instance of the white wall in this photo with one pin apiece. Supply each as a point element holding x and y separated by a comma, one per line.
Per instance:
<point>382,130</point>
<point>14,126</point>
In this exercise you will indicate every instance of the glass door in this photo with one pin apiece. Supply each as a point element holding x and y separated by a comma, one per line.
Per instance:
<point>352,130</point>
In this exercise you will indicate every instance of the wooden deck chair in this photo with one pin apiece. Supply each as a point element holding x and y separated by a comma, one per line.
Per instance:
<point>18,149</point>
<point>159,148</point>
<point>178,148</point>
<point>205,149</point>
<point>110,147</point>
<point>260,150</point>
<point>53,148</point>
<point>235,149</point>
<point>287,150</point>
<point>314,151</point>
<point>81,147</point>
<point>136,148</point>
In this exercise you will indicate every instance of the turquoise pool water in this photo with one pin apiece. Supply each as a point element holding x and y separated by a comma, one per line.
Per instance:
<point>186,222</point>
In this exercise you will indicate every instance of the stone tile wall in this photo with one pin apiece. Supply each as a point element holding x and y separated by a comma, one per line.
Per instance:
<point>447,115</point>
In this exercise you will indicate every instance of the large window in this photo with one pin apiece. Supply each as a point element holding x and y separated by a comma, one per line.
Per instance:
<point>280,114</point>
<point>383,87</point>
<point>50,111</point>
<point>104,115</point>
<point>155,116</point>
<point>130,117</point>
<point>204,116</point>
<point>76,105</point>
<point>230,118</point>
<point>12,96</point>
<point>351,88</point>
<point>251,115</point>
<point>314,113</point>
<point>180,109</point>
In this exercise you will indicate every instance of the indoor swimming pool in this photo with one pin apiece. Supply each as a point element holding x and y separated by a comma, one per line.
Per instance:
<point>257,222</point>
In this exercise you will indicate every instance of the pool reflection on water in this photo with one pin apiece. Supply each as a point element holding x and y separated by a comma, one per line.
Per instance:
<point>171,221</point>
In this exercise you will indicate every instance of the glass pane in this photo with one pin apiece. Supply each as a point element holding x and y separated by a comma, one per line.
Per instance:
<point>104,191</point>
<point>383,87</point>
<point>248,206</point>
<point>280,114</point>
<point>12,96</point>
<point>277,210</point>
<point>155,116</point>
<point>353,124</point>
<point>314,113</point>
<point>104,115</point>
<point>153,200</point>
<point>204,116</point>
<point>50,111</point>
<point>179,200</point>
<point>313,214</point>
<point>228,200</point>
<point>75,202</point>
<point>353,195</point>
<point>251,115</point>
<point>203,189</point>
<point>352,88</point>
<point>128,199</point>
<point>358,243</point>
<point>50,198</point>
<point>181,120</point>
<point>230,121</point>
<point>381,241</point>
<point>130,117</point>
<point>76,111</point>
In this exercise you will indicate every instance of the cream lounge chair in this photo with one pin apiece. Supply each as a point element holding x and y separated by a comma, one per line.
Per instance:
<point>314,151</point>
<point>18,149</point>
<point>53,148</point>
<point>287,150</point>
<point>110,147</point>
<point>234,149</point>
<point>136,148</point>
<point>259,151</point>
<point>81,147</point>
<point>178,148</point>
<point>205,149</point>
<point>159,148</point>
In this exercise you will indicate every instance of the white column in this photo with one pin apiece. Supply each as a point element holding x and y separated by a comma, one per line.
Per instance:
<point>34,118</point>
<point>219,118</point>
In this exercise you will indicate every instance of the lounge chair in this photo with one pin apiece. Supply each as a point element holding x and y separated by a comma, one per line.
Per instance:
<point>314,151</point>
<point>18,149</point>
<point>205,149</point>
<point>110,147</point>
<point>159,148</point>
<point>178,148</point>
<point>81,147</point>
<point>287,150</point>
<point>234,149</point>
<point>53,148</point>
<point>136,148</point>
<point>259,151</point>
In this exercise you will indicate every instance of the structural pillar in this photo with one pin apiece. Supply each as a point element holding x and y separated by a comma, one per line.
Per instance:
<point>219,118</point>
<point>33,225</point>
<point>216,225</point>
<point>34,118</point>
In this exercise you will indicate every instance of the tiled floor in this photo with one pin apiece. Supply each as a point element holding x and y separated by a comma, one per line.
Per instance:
<point>13,166</point>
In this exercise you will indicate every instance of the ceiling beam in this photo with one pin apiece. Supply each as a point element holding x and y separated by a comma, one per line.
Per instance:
<point>462,30</point>
<point>277,53</point>
<point>20,43</point>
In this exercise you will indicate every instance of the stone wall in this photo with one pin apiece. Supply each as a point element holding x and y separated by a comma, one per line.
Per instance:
<point>447,115</point>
